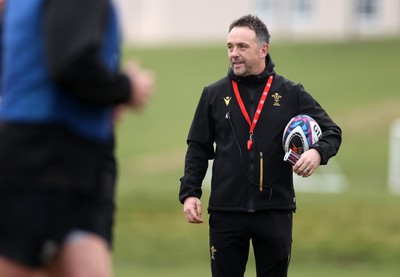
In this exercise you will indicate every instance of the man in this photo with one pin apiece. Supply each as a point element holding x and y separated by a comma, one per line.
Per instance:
<point>62,86</point>
<point>240,207</point>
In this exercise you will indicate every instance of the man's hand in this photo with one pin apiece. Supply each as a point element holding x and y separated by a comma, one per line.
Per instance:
<point>192,210</point>
<point>142,84</point>
<point>308,163</point>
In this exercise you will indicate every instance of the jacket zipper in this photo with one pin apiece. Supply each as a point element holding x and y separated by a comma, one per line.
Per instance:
<point>261,171</point>
<point>251,193</point>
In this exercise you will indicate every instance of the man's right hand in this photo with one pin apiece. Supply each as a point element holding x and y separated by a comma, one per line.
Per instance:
<point>192,210</point>
<point>142,84</point>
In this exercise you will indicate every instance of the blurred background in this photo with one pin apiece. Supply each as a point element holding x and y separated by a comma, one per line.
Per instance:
<point>188,21</point>
<point>345,53</point>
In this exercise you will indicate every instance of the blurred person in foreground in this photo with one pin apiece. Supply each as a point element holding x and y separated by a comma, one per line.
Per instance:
<point>62,86</point>
<point>246,151</point>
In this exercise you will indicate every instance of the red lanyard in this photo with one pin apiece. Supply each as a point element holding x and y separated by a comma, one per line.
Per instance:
<point>258,111</point>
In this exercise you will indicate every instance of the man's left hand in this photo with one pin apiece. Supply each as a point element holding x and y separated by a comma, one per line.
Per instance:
<point>308,163</point>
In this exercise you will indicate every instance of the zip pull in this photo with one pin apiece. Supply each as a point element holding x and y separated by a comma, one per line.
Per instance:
<point>261,170</point>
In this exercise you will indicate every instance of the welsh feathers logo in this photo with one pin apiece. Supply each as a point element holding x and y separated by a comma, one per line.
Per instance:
<point>277,97</point>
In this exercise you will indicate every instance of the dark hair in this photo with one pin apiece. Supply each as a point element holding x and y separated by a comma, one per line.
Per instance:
<point>255,24</point>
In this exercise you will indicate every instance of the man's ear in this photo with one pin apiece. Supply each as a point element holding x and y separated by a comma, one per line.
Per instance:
<point>264,51</point>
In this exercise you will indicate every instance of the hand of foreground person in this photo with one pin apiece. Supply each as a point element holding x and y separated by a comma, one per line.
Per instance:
<point>192,210</point>
<point>308,163</point>
<point>142,84</point>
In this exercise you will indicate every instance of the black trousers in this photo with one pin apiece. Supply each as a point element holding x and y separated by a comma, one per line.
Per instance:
<point>270,233</point>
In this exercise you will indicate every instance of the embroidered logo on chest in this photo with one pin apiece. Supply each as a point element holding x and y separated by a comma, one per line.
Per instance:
<point>277,98</point>
<point>227,99</point>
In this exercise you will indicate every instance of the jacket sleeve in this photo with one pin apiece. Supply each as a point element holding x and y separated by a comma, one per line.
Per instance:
<point>328,145</point>
<point>200,149</point>
<point>74,32</point>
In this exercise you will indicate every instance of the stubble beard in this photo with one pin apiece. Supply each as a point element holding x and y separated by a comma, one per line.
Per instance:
<point>239,71</point>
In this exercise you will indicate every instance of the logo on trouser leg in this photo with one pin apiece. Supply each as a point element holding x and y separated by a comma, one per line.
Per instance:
<point>213,251</point>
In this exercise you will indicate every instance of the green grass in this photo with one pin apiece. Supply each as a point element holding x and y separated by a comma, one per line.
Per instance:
<point>355,233</point>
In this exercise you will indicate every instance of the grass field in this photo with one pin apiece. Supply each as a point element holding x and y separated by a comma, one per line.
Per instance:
<point>354,233</point>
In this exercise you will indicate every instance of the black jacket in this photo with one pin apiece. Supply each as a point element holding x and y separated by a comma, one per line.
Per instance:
<point>235,182</point>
